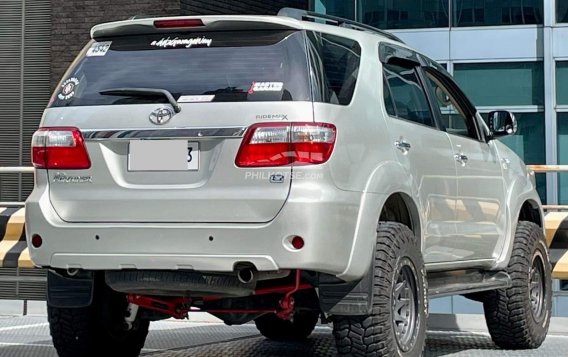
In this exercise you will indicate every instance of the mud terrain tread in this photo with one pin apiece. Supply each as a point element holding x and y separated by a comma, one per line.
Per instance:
<point>371,335</point>
<point>70,330</point>
<point>83,332</point>
<point>508,311</point>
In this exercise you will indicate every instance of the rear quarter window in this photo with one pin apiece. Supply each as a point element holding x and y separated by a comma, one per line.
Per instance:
<point>334,65</point>
<point>222,66</point>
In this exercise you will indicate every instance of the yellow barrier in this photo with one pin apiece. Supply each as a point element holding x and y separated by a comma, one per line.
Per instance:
<point>13,248</point>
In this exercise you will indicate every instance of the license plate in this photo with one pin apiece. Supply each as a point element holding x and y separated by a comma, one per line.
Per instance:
<point>163,155</point>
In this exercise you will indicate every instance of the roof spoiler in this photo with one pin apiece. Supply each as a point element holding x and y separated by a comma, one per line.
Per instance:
<point>146,25</point>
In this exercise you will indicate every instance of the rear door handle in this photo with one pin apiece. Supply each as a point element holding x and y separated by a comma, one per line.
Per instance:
<point>461,158</point>
<point>402,145</point>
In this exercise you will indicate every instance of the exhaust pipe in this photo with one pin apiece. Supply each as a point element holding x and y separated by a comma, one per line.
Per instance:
<point>246,275</point>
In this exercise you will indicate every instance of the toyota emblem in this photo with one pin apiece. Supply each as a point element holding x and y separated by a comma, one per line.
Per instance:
<point>161,116</point>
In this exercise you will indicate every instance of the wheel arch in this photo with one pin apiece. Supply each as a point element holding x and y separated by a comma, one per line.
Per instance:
<point>400,207</point>
<point>530,211</point>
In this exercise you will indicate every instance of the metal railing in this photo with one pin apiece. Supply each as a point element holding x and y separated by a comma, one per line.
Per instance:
<point>535,168</point>
<point>540,169</point>
<point>15,170</point>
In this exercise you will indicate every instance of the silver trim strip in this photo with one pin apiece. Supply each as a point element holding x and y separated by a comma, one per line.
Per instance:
<point>163,133</point>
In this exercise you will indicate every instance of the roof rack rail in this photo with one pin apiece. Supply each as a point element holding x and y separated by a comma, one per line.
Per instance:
<point>304,15</point>
<point>140,16</point>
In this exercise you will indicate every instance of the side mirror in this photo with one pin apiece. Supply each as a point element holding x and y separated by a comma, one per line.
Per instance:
<point>502,123</point>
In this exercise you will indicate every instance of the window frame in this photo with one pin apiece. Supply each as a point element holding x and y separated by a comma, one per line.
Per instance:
<point>462,101</point>
<point>404,57</point>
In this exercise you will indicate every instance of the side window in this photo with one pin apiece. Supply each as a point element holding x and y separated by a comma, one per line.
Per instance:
<point>454,118</point>
<point>335,65</point>
<point>404,96</point>
<point>389,103</point>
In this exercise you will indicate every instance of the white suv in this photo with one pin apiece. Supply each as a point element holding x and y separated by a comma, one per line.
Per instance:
<point>280,169</point>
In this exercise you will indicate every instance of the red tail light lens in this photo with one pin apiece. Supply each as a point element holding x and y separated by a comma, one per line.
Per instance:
<point>180,23</point>
<point>59,148</point>
<point>279,144</point>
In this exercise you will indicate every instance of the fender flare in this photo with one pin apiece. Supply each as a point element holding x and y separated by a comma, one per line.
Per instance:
<point>353,295</point>
<point>521,191</point>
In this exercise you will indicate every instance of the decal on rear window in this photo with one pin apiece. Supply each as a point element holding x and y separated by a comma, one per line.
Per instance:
<point>68,88</point>
<point>99,49</point>
<point>185,42</point>
<point>195,98</point>
<point>265,87</point>
<point>218,66</point>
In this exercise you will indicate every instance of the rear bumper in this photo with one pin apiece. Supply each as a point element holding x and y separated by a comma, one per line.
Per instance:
<point>327,218</point>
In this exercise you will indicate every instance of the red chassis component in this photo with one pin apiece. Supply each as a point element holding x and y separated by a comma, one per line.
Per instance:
<point>179,307</point>
<point>176,307</point>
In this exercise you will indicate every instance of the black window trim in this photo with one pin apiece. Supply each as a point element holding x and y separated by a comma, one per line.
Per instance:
<point>463,102</point>
<point>311,63</point>
<point>406,58</point>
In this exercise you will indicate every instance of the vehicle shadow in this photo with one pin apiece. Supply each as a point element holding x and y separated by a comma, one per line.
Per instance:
<point>321,344</point>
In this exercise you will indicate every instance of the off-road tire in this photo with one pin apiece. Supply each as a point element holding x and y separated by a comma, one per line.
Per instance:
<point>297,329</point>
<point>96,330</point>
<point>509,312</point>
<point>374,334</point>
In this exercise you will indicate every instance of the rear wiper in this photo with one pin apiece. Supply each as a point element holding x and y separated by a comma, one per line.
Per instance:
<point>143,92</point>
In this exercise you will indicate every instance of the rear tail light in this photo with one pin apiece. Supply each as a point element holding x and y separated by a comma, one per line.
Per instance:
<point>180,23</point>
<point>59,148</point>
<point>279,144</point>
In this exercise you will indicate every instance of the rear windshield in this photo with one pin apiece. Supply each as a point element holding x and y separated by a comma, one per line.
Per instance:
<point>224,66</point>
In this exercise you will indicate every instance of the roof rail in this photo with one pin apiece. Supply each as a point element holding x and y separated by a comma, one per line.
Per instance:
<point>304,15</point>
<point>140,16</point>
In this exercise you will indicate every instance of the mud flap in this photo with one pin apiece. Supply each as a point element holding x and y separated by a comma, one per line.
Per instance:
<point>66,292</point>
<point>346,298</point>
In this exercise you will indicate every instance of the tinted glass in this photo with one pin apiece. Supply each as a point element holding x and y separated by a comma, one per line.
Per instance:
<point>562,131</point>
<point>341,8</point>
<point>226,66</point>
<point>408,95</point>
<point>562,82</point>
<point>497,12</point>
<point>529,144</point>
<point>497,84</point>
<point>387,96</point>
<point>404,14</point>
<point>335,67</point>
<point>561,10</point>
<point>454,119</point>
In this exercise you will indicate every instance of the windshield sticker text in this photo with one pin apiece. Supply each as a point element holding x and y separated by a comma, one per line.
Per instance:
<point>99,49</point>
<point>186,42</point>
<point>68,88</point>
<point>265,87</point>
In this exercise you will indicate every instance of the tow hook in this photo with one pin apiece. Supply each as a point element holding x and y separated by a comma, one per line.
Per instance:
<point>131,312</point>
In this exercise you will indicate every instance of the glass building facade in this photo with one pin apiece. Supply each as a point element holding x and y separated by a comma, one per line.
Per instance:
<point>505,54</point>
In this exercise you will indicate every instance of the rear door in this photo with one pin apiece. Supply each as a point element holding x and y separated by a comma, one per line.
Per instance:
<point>224,81</point>
<point>426,152</point>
